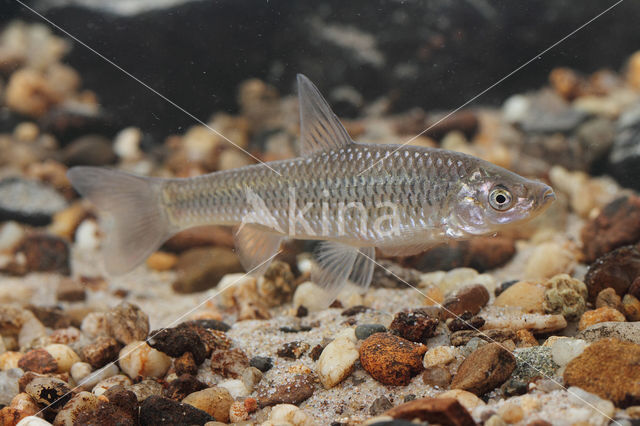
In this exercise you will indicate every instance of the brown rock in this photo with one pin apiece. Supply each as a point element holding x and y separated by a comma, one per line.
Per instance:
<point>214,401</point>
<point>11,416</point>
<point>38,361</point>
<point>293,350</point>
<point>610,369</point>
<point>52,317</point>
<point>525,295</point>
<point>465,321</point>
<point>442,411</point>
<point>604,314</point>
<point>525,339</point>
<point>390,359</point>
<point>416,325</point>
<point>436,376</point>
<point>157,410</point>
<point>277,285</point>
<point>616,269</point>
<point>634,289</point>
<point>127,323</point>
<point>184,385</point>
<point>469,298</point>
<point>179,340</point>
<point>202,268</point>
<point>101,352</point>
<point>45,253</point>
<point>631,307</point>
<point>618,224</point>
<point>185,364</point>
<point>462,337</point>
<point>485,369</point>
<point>293,391</point>
<point>203,236</point>
<point>70,291</point>
<point>229,363</point>
<point>609,298</point>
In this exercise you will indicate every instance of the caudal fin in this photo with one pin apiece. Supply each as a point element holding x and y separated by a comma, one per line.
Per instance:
<point>138,224</point>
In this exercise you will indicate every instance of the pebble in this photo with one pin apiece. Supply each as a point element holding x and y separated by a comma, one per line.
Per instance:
<point>179,340</point>
<point>25,404</point>
<point>82,401</point>
<point>145,389</point>
<point>32,333</point>
<point>139,359</point>
<point>182,386</point>
<point>89,150</point>
<point>473,337</point>
<point>262,363</point>
<point>549,259</point>
<point>293,391</point>
<point>49,391</point>
<point>33,421</point>
<point>288,414</point>
<point>532,363</point>
<point>379,406</point>
<point>238,412</point>
<point>236,388</point>
<point>229,363</point>
<point>101,352</point>
<point>202,268</point>
<point>157,410</point>
<point>469,298</point>
<point>39,361</point>
<point>467,399</point>
<point>609,369</point>
<point>566,296</point>
<point>64,356</point>
<point>251,376</point>
<point>70,290</point>
<point>95,324</point>
<point>416,326</point>
<point>391,359</point>
<point>29,92</point>
<point>631,307</point>
<point>525,295</point>
<point>447,411</point>
<point>127,323</point>
<point>162,261</point>
<point>625,331</point>
<point>436,376</point>
<point>515,320</point>
<point>88,235</point>
<point>485,369</point>
<point>277,284</point>
<point>439,356</point>
<point>337,359</point>
<point>89,380</point>
<point>601,410</point>
<point>9,360</point>
<point>293,350</point>
<point>309,295</point>
<point>609,297</point>
<point>616,269</point>
<point>45,253</point>
<point>604,314</point>
<point>511,413</point>
<point>10,236</point>
<point>617,225</point>
<point>565,349</point>
<point>215,401</point>
<point>9,384</point>
<point>103,385</point>
<point>126,144</point>
<point>365,330</point>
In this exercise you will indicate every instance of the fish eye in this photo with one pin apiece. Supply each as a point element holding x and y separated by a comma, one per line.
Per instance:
<point>500,198</point>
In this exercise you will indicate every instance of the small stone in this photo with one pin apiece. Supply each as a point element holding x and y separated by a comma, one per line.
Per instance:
<point>177,341</point>
<point>184,385</point>
<point>309,295</point>
<point>28,201</point>
<point>124,399</point>
<point>566,296</point>
<point>262,363</point>
<point>288,414</point>
<point>229,363</point>
<point>82,401</point>
<point>525,295</point>
<point>145,389</point>
<point>277,284</point>
<point>139,359</point>
<point>624,331</point>
<point>236,388</point>
<point>293,350</point>
<point>52,317</point>
<point>440,355</point>
<point>380,405</point>
<point>436,376</point>
<point>202,268</point>
<point>89,150</point>
<point>25,404</point>
<point>515,320</point>
<point>511,413</point>
<point>70,291</point>
<point>534,362</point>
<point>608,297</point>
<point>463,337</point>
<point>116,380</point>
<point>616,269</point>
<point>65,356</point>
<point>608,368</point>
<point>365,330</point>
<point>496,420</point>
<point>337,359</point>
<point>162,261</point>
<point>416,326</point>
<point>101,352</point>
<point>32,333</point>
<point>390,359</point>
<point>39,361</point>
<point>503,286</point>
<point>95,324</point>
<point>444,411</point>
<point>466,399</point>
<point>29,92</point>
<point>604,314</point>
<point>185,364</point>
<point>564,350</point>
<point>251,376</point>
<point>293,391</point>
<point>126,144</point>
<point>525,339</point>
<point>550,259</point>
<point>465,321</point>
<point>106,414</point>
<point>127,323</point>
<point>470,298</point>
<point>9,387</point>
<point>45,253</point>
<point>631,307</point>
<point>354,310</point>
<point>49,391</point>
<point>157,410</point>
<point>215,401</point>
<point>485,369</point>
<point>209,324</point>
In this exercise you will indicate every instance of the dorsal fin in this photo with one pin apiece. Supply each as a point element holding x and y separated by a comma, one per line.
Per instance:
<point>320,129</point>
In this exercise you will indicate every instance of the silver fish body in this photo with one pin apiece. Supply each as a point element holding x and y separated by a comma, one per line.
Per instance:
<point>353,196</point>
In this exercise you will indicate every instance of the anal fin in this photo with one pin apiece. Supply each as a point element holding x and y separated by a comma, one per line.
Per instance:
<point>256,247</point>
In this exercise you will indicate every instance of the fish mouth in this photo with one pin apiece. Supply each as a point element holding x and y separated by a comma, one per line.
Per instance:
<point>548,196</point>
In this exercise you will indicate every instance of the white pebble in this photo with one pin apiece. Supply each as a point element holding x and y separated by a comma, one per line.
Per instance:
<point>31,331</point>
<point>82,401</point>
<point>236,387</point>
<point>140,359</point>
<point>95,324</point>
<point>515,108</point>
<point>309,295</point>
<point>110,382</point>
<point>288,414</point>
<point>127,143</point>
<point>600,408</point>
<point>64,356</point>
<point>10,235</point>
<point>9,385</point>
<point>337,359</point>
<point>564,350</point>
<point>33,421</point>
<point>440,355</point>
<point>88,235</point>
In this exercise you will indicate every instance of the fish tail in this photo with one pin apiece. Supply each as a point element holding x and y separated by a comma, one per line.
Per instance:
<point>138,222</point>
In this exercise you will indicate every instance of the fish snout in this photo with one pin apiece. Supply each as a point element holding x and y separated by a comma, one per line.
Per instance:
<point>547,196</point>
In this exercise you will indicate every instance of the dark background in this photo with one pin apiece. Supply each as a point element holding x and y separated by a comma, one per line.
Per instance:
<point>434,54</point>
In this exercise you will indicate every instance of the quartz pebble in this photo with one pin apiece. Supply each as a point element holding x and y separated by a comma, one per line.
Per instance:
<point>467,399</point>
<point>549,259</point>
<point>139,359</point>
<point>288,414</point>
<point>82,374</point>
<point>9,384</point>
<point>64,356</point>
<point>337,359</point>
<point>565,349</point>
<point>309,295</point>
<point>215,401</point>
<point>440,355</point>
<point>33,421</point>
<point>235,387</point>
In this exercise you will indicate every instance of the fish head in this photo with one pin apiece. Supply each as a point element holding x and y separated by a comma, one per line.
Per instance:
<point>493,197</point>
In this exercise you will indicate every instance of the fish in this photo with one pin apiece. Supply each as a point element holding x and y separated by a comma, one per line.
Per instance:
<point>353,197</point>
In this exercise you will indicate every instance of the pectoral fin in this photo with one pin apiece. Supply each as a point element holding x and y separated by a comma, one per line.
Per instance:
<point>256,247</point>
